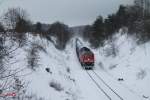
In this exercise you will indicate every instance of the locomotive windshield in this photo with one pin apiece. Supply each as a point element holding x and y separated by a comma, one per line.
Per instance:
<point>85,50</point>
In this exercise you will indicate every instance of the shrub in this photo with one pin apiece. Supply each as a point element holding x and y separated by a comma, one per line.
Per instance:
<point>57,86</point>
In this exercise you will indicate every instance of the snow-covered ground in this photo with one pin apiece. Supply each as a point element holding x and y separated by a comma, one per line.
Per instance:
<point>68,81</point>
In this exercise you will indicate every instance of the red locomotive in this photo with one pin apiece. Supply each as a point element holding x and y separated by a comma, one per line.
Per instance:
<point>85,56</point>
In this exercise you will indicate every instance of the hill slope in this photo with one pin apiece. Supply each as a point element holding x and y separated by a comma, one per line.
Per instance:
<point>59,75</point>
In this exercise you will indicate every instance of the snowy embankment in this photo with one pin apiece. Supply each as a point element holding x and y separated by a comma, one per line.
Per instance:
<point>129,64</point>
<point>66,80</point>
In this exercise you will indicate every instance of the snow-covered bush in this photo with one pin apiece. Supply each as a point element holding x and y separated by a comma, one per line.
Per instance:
<point>141,74</point>
<point>101,66</point>
<point>57,86</point>
<point>111,50</point>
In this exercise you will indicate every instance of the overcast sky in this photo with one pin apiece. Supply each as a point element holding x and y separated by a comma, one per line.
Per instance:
<point>71,12</point>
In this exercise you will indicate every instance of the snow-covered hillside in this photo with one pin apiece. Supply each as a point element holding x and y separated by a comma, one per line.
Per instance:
<point>59,75</point>
<point>130,64</point>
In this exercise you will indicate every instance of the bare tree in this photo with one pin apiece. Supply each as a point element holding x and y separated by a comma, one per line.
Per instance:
<point>6,74</point>
<point>12,16</point>
<point>16,20</point>
<point>33,56</point>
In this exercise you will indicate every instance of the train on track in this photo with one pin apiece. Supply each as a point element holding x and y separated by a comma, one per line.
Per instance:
<point>85,56</point>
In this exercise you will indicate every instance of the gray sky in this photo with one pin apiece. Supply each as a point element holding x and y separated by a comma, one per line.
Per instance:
<point>71,12</point>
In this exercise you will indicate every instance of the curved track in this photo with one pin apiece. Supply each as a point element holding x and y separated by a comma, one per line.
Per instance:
<point>103,86</point>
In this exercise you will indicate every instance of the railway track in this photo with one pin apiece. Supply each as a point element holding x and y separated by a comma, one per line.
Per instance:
<point>110,93</point>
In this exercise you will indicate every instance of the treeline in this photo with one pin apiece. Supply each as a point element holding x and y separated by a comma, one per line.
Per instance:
<point>17,23</point>
<point>133,19</point>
